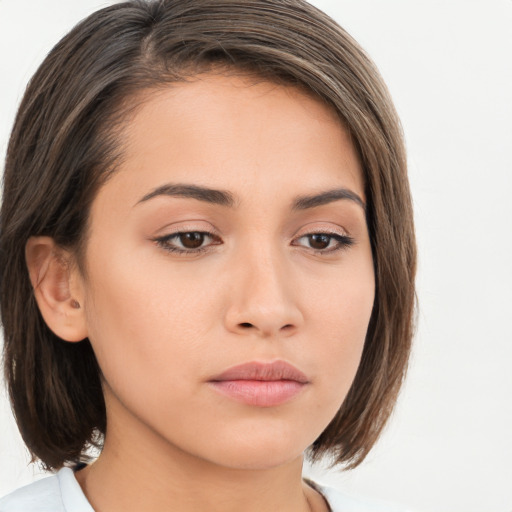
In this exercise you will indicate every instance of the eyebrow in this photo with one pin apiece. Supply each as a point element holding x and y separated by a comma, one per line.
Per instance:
<point>208,195</point>
<point>329,196</point>
<point>225,198</point>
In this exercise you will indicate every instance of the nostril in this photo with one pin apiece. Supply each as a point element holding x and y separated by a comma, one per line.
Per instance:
<point>246,325</point>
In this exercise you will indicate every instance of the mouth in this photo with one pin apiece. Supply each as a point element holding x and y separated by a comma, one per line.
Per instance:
<point>260,384</point>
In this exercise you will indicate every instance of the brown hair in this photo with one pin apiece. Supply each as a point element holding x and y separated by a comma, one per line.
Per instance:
<point>63,146</point>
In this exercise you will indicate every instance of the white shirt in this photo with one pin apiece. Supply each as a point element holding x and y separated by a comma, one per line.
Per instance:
<point>62,493</point>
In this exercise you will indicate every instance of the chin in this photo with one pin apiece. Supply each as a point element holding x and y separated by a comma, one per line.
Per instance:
<point>257,453</point>
<point>258,461</point>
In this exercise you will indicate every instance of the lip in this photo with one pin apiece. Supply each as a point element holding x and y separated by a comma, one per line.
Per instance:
<point>260,384</point>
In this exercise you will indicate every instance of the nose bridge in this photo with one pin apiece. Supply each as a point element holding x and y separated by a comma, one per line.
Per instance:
<point>266,273</point>
<point>263,297</point>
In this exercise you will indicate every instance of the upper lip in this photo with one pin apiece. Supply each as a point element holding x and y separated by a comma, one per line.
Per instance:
<point>254,370</point>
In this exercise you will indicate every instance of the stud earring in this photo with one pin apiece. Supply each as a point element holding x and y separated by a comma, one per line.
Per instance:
<point>75,304</point>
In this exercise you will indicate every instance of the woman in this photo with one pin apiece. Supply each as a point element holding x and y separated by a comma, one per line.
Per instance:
<point>207,258</point>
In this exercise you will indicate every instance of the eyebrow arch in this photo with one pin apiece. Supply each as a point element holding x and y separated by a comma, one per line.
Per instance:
<point>329,196</point>
<point>225,198</point>
<point>208,195</point>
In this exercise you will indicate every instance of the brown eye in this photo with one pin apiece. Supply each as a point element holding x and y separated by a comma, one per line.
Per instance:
<point>324,243</point>
<point>192,240</point>
<point>188,242</point>
<point>319,241</point>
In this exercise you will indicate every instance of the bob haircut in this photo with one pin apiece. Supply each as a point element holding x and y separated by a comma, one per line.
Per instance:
<point>65,144</point>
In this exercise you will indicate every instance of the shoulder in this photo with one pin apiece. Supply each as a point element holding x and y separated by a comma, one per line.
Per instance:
<point>38,496</point>
<point>341,502</point>
<point>58,493</point>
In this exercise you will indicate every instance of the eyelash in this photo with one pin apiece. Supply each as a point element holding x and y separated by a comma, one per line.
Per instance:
<point>344,242</point>
<point>163,242</point>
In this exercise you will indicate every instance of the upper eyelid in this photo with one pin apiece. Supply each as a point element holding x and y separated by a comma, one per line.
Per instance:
<point>320,230</point>
<point>323,223</point>
<point>168,232</point>
<point>213,233</point>
<point>191,225</point>
<point>183,231</point>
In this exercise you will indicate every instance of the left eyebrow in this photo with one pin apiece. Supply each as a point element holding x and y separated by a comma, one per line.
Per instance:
<point>329,196</point>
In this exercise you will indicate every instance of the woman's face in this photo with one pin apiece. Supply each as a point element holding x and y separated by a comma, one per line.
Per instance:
<point>234,232</point>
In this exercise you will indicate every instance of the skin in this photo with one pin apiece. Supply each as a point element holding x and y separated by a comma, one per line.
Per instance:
<point>163,324</point>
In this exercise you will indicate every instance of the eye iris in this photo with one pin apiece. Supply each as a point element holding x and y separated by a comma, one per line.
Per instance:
<point>319,241</point>
<point>192,240</point>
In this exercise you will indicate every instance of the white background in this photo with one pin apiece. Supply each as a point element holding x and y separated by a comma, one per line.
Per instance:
<point>448,65</point>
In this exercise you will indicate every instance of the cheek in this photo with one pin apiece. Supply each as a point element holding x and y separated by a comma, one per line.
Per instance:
<point>343,303</point>
<point>340,313</point>
<point>142,322</point>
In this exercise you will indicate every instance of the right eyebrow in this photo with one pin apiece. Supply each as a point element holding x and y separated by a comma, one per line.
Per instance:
<point>208,195</point>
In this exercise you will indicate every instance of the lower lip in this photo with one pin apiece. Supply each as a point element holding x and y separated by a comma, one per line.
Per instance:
<point>261,393</point>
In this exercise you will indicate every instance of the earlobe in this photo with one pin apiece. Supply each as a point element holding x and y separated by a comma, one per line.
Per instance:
<point>56,288</point>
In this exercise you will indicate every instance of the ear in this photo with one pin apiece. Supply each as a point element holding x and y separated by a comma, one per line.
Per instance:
<point>58,288</point>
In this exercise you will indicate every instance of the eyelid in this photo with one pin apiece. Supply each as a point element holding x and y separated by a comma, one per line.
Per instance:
<point>343,240</point>
<point>337,234</point>
<point>164,243</point>
<point>187,226</point>
<point>173,230</point>
<point>317,227</point>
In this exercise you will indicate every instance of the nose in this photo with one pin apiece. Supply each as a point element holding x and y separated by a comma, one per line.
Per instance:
<point>263,299</point>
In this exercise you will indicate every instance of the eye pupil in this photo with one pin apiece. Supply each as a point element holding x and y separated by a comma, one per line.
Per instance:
<point>192,240</point>
<point>319,241</point>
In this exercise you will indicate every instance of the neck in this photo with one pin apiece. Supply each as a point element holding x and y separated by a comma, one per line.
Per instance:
<point>143,473</point>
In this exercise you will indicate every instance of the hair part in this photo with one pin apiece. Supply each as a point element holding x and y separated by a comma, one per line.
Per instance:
<point>66,142</point>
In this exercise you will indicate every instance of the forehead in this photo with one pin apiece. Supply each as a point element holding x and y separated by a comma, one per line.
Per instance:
<point>235,133</point>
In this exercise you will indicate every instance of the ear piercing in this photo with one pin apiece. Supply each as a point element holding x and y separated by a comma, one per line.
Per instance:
<point>75,304</point>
